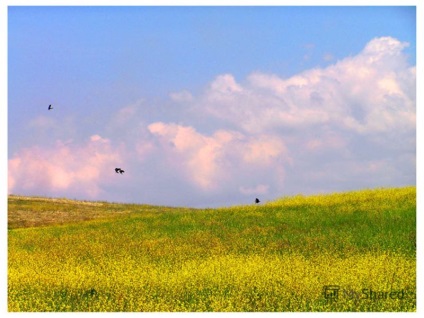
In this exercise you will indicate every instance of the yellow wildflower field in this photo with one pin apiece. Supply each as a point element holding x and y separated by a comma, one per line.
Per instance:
<point>351,251</point>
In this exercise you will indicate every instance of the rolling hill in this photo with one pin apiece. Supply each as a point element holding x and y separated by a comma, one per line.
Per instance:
<point>351,251</point>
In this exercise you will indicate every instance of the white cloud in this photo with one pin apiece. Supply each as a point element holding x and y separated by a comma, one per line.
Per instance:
<point>367,93</point>
<point>63,168</point>
<point>212,162</point>
<point>97,138</point>
<point>224,85</point>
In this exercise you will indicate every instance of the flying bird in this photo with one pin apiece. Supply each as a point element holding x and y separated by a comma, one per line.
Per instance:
<point>121,171</point>
<point>117,170</point>
<point>257,200</point>
<point>50,107</point>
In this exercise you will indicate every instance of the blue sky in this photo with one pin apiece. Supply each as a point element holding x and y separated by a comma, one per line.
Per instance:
<point>209,106</point>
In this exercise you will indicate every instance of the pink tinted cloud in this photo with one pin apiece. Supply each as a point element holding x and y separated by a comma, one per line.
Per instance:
<point>210,162</point>
<point>187,149</point>
<point>371,92</point>
<point>62,169</point>
<point>264,150</point>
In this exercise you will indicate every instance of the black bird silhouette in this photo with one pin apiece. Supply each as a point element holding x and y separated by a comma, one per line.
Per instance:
<point>257,200</point>
<point>121,171</point>
<point>50,107</point>
<point>117,170</point>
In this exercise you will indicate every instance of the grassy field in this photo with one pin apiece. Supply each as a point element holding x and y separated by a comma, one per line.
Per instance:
<point>353,251</point>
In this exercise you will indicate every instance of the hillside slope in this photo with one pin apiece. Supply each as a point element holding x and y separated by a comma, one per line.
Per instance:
<point>95,256</point>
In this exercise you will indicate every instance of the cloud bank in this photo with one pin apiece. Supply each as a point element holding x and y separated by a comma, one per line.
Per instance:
<point>349,125</point>
<point>63,169</point>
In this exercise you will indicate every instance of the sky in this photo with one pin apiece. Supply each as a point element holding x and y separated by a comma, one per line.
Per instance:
<point>209,106</point>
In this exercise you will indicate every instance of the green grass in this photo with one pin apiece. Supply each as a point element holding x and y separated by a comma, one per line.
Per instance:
<point>69,255</point>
